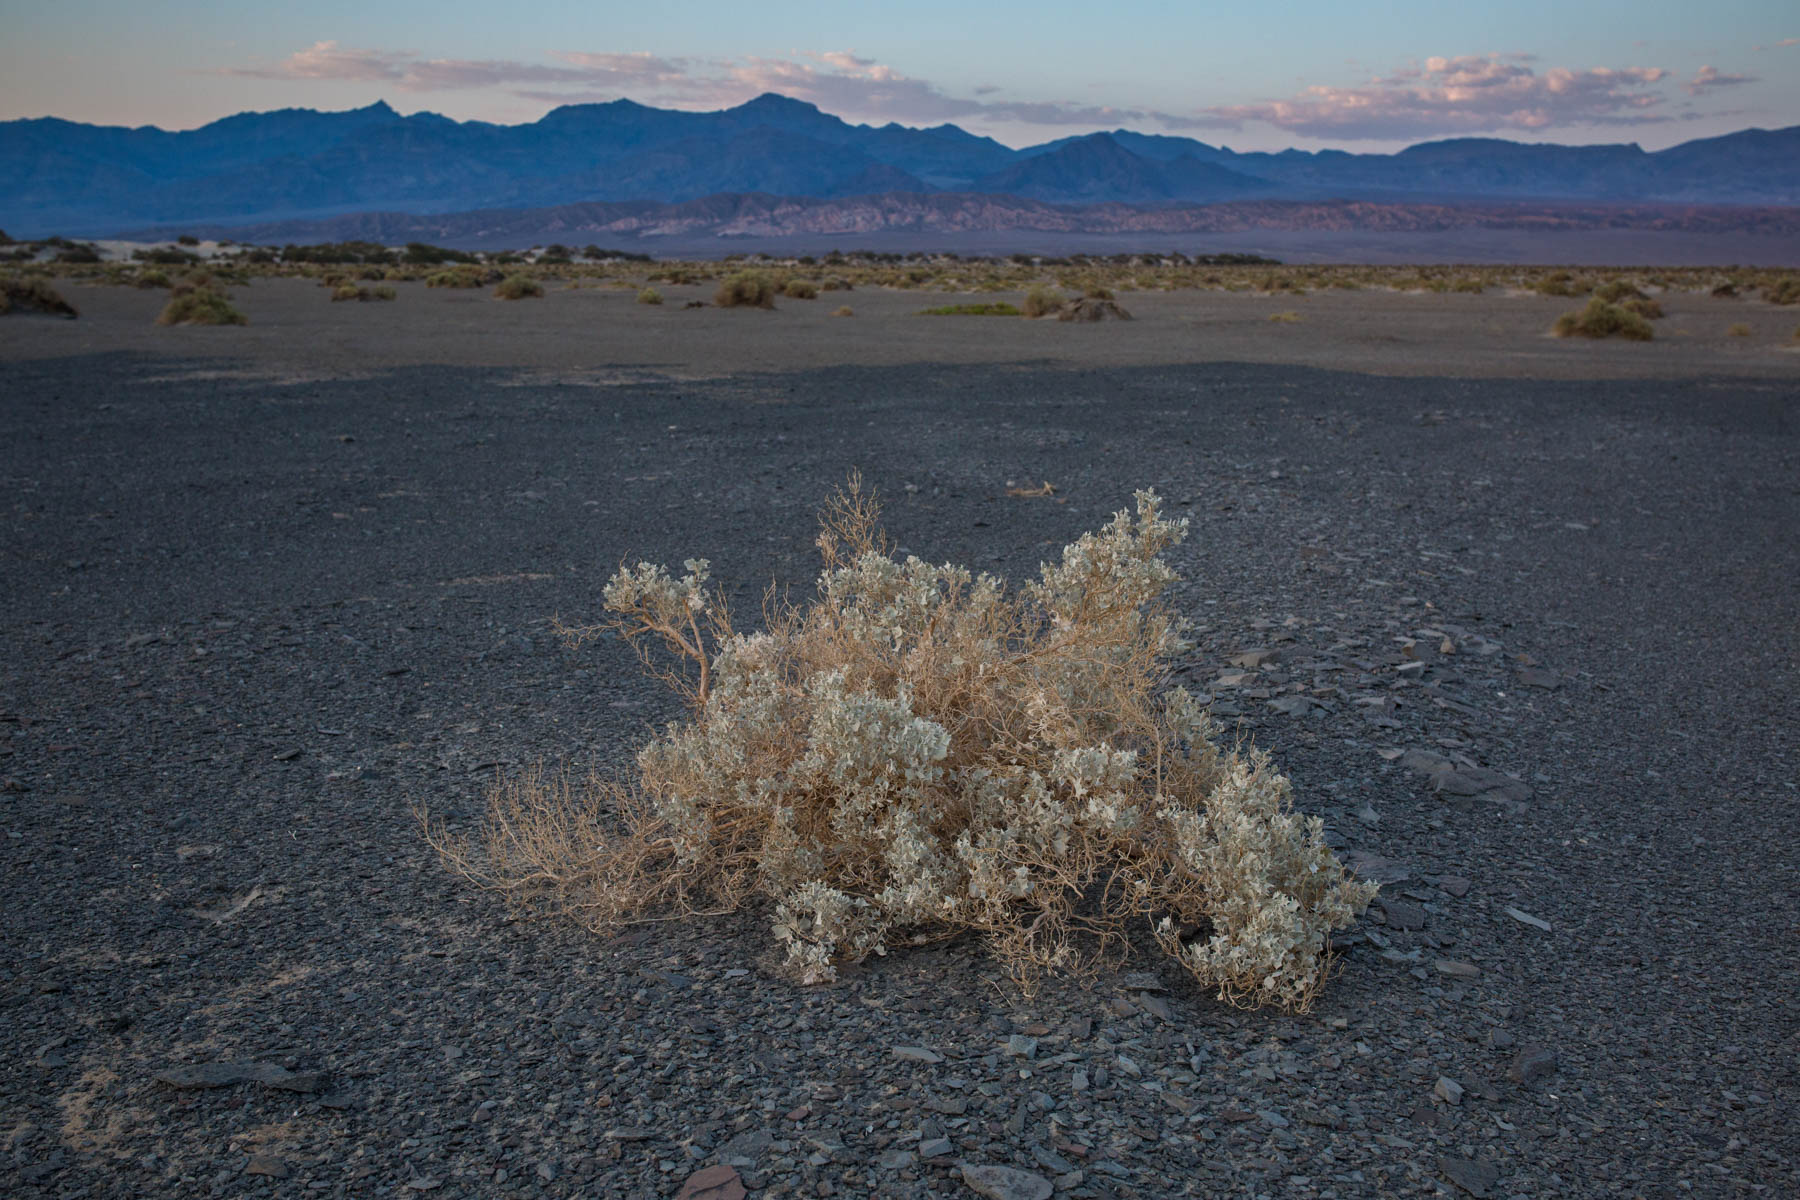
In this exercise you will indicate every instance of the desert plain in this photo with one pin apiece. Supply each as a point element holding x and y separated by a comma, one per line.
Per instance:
<point>1516,615</point>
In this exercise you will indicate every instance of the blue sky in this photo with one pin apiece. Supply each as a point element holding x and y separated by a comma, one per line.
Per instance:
<point>1306,73</point>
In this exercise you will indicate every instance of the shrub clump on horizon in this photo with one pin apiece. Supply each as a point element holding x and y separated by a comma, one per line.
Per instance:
<point>518,287</point>
<point>915,755</point>
<point>1041,301</point>
<point>350,291</point>
<point>1602,320</point>
<point>745,289</point>
<point>199,303</point>
<point>800,289</point>
<point>33,294</point>
<point>649,296</point>
<point>998,309</point>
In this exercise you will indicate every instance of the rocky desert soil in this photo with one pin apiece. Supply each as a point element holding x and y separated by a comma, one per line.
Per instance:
<point>1527,645</point>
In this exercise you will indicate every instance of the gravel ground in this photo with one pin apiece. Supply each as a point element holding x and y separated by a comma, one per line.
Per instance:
<point>1529,647</point>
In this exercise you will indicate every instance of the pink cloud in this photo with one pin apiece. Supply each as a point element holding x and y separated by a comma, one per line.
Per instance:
<point>1465,94</point>
<point>1708,78</point>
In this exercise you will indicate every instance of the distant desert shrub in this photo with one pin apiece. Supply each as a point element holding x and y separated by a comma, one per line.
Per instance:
<point>152,278</point>
<point>1783,291</point>
<point>1286,318</point>
<point>194,303</point>
<point>745,289</point>
<point>801,289</point>
<point>1562,283</point>
<point>350,291</point>
<point>1739,330</point>
<point>837,283</point>
<point>1616,290</point>
<point>916,754</point>
<point>1000,309</point>
<point>1041,301</point>
<point>1094,291</point>
<point>1643,306</point>
<point>650,296</point>
<point>518,287</point>
<point>458,278</point>
<point>33,294</point>
<point>1602,320</point>
<point>1725,291</point>
<point>844,310</point>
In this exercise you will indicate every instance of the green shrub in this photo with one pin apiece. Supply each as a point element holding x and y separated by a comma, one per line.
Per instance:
<point>33,294</point>
<point>1561,283</point>
<point>1285,318</point>
<point>1001,309</point>
<point>650,296</point>
<point>1041,301</point>
<point>152,278</point>
<point>193,303</point>
<point>1602,320</point>
<point>746,289</point>
<point>518,287</point>
<point>1643,306</point>
<point>917,754</point>
<point>801,289</point>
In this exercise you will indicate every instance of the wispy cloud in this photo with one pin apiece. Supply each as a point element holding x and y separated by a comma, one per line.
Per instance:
<point>1467,94</point>
<point>1783,44</point>
<point>1707,79</point>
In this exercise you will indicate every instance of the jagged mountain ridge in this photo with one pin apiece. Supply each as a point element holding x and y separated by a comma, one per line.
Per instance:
<point>297,163</point>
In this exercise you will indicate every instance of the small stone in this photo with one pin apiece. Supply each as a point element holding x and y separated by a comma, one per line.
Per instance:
<point>1130,1067</point>
<point>1525,918</point>
<point>1538,677</point>
<point>287,755</point>
<point>546,1171</point>
<point>1020,1046</point>
<point>714,1183</point>
<point>1532,1064</point>
<point>1072,1180</point>
<point>1455,885</point>
<point>918,1054</point>
<point>896,1160</point>
<point>936,1147</point>
<point>1500,1039</point>
<point>267,1165</point>
<point>1402,914</point>
<point>1457,970</point>
<point>1473,1175</point>
<point>1448,1090</point>
<point>1156,1006</point>
<point>1274,1119</point>
<point>1142,981</point>
<point>1005,1183</point>
<point>1078,1080</point>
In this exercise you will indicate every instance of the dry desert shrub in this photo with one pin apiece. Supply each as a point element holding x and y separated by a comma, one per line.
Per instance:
<point>800,289</point>
<point>350,291</point>
<point>1739,330</point>
<point>1290,317</point>
<point>650,296</point>
<point>1041,301</point>
<point>844,310</point>
<point>1783,291</point>
<point>518,287</point>
<point>917,754</point>
<point>199,303</point>
<point>461,277</point>
<point>1602,320</point>
<point>33,293</point>
<point>746,289</point>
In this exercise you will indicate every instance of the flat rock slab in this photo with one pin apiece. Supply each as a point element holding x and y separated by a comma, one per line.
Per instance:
<point>1006,1183</point>
<point>217,1075</point>
<point>713,1183</point>
<point>1473,1175</point>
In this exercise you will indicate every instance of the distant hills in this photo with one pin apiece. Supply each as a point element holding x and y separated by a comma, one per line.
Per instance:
<point>298,164</point>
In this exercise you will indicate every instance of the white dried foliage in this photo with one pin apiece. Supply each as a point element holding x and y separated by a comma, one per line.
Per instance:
<point>916,755</point>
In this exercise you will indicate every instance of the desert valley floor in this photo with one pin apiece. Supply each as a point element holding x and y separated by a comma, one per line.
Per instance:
<point>1517,616</point>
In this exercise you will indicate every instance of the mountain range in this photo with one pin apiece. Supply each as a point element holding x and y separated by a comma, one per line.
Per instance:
<point>295,164</point>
